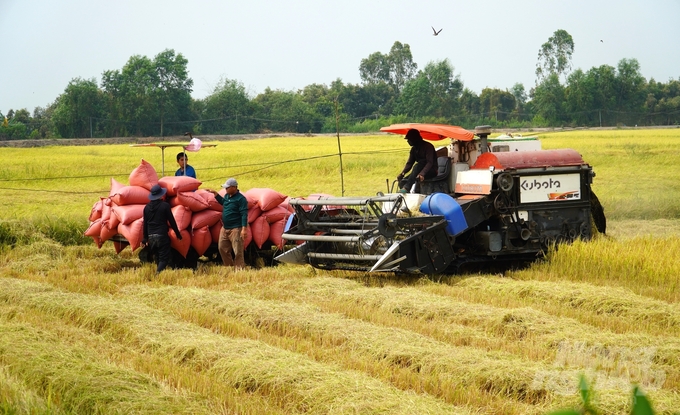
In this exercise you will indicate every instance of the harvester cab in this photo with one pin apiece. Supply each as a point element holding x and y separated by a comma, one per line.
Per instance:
<point>494,200</point>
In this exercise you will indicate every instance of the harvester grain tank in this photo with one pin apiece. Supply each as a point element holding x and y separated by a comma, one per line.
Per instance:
<point>494,200</point>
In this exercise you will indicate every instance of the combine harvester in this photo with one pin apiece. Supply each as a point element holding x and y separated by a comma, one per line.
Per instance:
<point>494,201</point>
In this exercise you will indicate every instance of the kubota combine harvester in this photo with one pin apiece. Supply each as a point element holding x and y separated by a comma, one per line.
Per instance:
<point>494,200</point>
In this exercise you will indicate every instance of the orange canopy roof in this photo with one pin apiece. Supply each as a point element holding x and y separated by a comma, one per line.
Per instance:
<point>432,132</point>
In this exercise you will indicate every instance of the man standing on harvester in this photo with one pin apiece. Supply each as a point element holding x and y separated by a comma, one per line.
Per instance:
<point>423,160</point>
<point>234,224</point>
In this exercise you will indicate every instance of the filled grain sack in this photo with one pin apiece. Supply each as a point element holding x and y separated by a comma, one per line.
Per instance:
<point>193,201</point>
<point>260,230</point>
<point>133,232</point>
<point>144,175</point>
<point>96,211</point>
<point>201,239</point>
<point>126,214</point>
<point>276,214</point>
<point>181,246</point>
<point>275,232</point>
<point>130,195</point>
<point>206,217</point>
<point>176,184</point>
<point>210,199</point>
<point>182,215</point>
<point>266,198</point>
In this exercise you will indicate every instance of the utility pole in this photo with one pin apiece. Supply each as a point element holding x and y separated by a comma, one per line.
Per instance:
<point>337,130</point>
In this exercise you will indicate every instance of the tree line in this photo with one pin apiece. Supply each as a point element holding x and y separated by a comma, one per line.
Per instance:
<point>152,97</point>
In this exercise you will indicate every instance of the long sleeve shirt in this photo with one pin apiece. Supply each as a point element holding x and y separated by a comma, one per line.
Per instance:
<point>157,217</point>
<point>234,210</point>
<point>425,155</point>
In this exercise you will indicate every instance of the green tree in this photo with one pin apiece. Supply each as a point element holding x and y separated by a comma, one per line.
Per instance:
<point>77,108</point>
<point>469,104</point>
<point>520,95</point>
<point>579,99</point>
<point>148,92</point>
<point>13,126</point>
<point>362,101</point>
<point>22,116</point>
<point>630,86</point>
<point>554,56</point>
<point>228,110</point>
<point>548,100</point>
<point>320,98</point>
<point>42,120</point>
<point>402,67</point>
<point>663,102</point>
<point>433,92</point>
<point>395,68</point>
<point>601,82</point>
<point>172,89</point>
<point>375,69</point>
<point>130,92</point>
<point>278,110</point>
<point>497,103</point>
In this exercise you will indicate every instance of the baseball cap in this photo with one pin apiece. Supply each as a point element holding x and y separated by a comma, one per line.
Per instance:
<point>230,183</point>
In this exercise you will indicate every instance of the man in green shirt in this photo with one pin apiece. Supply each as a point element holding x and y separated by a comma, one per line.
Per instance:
<point>234,224</point>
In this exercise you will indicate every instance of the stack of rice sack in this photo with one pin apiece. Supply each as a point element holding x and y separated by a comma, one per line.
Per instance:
<point>196,211</point>
<point>268,212</point>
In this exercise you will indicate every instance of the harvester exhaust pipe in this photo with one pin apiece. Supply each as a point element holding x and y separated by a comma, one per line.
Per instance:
<point>483,131</point>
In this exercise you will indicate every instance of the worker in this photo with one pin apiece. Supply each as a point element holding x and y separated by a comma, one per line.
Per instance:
<point>234,224</point>
<point>157,217</point>
<point>422,162</point>
<point>184,168</point>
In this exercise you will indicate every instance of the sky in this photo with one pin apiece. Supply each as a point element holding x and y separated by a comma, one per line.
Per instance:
<point>289,44</point>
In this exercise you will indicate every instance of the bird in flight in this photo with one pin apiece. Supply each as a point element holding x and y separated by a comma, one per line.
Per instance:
<point>435,31</point>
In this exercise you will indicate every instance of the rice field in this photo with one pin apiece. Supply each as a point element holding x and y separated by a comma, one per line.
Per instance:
<point>86,330</point>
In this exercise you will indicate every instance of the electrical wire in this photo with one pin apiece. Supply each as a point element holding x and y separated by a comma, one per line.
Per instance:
<point>265,165</point>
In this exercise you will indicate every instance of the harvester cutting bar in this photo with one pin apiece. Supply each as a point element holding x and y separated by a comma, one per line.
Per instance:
<point>320,238</point>
<point>352,257</point>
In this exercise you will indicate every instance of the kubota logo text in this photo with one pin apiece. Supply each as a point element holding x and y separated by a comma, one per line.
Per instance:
<point>540,185</point>
<point>548,187</point>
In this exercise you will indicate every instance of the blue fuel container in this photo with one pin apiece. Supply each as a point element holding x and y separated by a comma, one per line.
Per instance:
<point>289,223</point>
<point>445,205</point>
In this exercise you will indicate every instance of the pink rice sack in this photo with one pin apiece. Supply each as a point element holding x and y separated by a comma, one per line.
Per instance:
<point>176,184</point>
<point>144,175</point>
<point>266,198</point>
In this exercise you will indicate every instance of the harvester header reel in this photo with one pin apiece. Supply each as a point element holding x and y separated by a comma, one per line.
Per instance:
<point>369,234</point>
